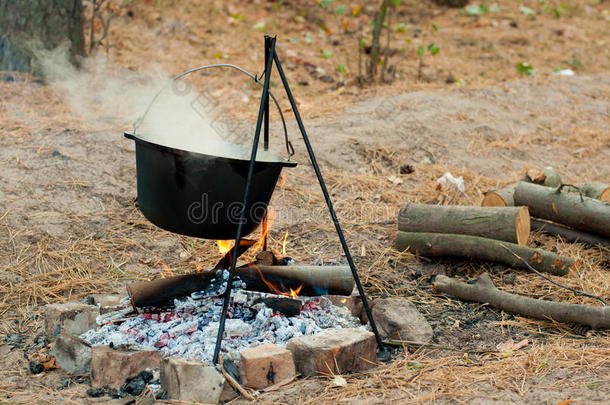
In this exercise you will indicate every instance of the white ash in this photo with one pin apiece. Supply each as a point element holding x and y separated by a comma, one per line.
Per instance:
<point>189,329</point>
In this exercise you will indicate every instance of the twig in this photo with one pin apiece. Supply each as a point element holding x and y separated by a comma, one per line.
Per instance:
<point>562,185</point>
<point>235,384</point>
<point>397,342</point>
<point>575,291</point>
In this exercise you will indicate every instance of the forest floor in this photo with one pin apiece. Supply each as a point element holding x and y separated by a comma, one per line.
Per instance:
<point>68,184</point>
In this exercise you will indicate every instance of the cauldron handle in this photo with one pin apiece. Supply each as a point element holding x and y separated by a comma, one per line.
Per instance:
<point>138,122</point>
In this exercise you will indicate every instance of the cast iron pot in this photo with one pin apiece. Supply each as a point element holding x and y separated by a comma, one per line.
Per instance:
<point>200,195</point>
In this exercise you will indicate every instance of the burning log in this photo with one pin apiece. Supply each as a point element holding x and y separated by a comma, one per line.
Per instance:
<point>511,224</point>
<point>286,280</point>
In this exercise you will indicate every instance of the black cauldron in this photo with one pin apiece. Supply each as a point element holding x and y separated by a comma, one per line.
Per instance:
<point>200,195</point>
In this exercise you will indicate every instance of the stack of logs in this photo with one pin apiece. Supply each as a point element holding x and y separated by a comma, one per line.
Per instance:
<point>499,232</point>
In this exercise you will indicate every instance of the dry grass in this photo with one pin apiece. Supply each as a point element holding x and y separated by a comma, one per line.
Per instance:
<point>38,267</point>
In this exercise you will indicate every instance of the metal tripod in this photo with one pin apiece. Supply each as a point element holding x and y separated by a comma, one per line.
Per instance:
<point>263,115</point>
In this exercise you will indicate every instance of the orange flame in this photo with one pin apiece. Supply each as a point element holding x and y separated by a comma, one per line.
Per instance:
<point>273,288</point>
<point>267,222</point>
<point>284,244</point>
<point>224,246</point>
<point>165,272</point>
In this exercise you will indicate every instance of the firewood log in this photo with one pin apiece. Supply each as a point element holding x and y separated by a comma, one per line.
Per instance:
<point>474,247</point>
<point>499,198</point>
<point>511,224</point>
<point>504,196</point>
<point>598,191</point>
<point>312,281</point>
<point>565,208</point>
<point>486,292</point>
<point>568,234</point>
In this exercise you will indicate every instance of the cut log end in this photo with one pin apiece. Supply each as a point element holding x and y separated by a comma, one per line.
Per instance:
<point>523,226</point>
<point>605,195</point>
<point>493,199</point>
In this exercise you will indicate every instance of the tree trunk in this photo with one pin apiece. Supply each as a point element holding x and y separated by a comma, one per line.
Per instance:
<point>474,247</point>
<point>375,46</point>
<point>486,292</point>
<point>511,224</point>
<point>564,207</point>
<point>28,25</point>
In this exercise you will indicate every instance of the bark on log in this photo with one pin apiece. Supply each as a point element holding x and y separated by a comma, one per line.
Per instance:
<point>511,224</point>
<point>485,291</point>
<point>474,247</point>
<point>499,198</point>
<point>599,191</point>
<point>315,280</point>
<point>44,24</point>
<point>569,235</point>
<point>564,207</point>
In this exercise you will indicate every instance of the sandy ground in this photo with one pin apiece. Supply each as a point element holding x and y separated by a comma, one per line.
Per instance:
<point>70,226</point>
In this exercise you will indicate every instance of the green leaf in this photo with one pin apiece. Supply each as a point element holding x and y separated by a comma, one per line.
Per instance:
<point>308,38</point>
<point>434,50</point>
<point>320,70</point>
<point>237,17</point>
<point>326,3</point>
<point>434,27</point>
<point>494,8</point>
<point>362,43</point>
<point>327,54</point>
<point>293,40</point>
<point>420,50</point>
<point>356,11</point>
<point>524,68</point>
<point>527,11</point>
<point>340,10</point>
<point>397,2</point>
<point>341,68</point>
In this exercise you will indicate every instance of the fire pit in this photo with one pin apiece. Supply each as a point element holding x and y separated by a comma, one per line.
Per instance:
<point>176,189</point>
<point>189,327</point>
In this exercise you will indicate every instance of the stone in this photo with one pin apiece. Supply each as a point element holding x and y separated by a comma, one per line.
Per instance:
<point>335,351</point>
<point>71,318</point>
<point>191,380</point>
<point>112,367</point>
<point>72,354</point>
<point>399,319</point>
<point>265,365</point>
<point>351,302</point>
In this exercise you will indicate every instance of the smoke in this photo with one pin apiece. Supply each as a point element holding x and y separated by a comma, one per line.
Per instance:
<point>180,117</point>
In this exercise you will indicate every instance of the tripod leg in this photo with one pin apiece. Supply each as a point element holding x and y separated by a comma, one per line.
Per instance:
<point>329,203</point>
<point>257,133</point>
